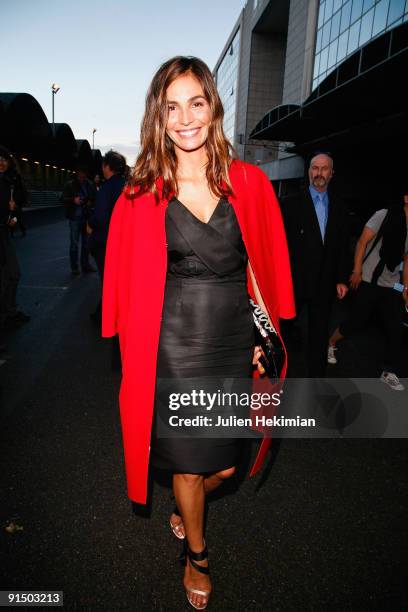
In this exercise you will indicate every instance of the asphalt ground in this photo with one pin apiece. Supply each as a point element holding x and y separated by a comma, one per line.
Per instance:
<point>324,527</point>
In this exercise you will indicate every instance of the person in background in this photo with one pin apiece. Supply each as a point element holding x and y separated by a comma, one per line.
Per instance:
<point>78,197</point>
<point>13,196</point>
<point>114,168</point>
<point>316,227</point>
<point>380,249</point>
<point>97,182</point>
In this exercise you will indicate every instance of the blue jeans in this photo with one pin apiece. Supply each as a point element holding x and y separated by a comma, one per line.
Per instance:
<point>77,229</point>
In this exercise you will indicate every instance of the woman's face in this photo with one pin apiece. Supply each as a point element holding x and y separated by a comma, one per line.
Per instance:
<point>189,114</point>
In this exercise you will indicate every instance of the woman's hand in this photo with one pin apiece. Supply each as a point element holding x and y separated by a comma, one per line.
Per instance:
<point>255,361</point>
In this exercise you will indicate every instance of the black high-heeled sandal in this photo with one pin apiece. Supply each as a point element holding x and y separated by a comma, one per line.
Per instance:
<point>193,557</point>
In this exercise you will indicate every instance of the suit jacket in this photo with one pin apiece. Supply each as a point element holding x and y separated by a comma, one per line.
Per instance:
<point>133,293</point>
<point>71,190</point>
<point>317,266</point>
<point>106,198</point>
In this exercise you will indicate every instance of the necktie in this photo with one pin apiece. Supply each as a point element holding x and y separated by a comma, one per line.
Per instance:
<point>321,214</point>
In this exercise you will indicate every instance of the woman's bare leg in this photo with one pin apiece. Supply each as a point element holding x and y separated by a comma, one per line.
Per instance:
<point>211,483</point>
<point>190,491</point>
<point>190,496</point>
<point>214,480</point>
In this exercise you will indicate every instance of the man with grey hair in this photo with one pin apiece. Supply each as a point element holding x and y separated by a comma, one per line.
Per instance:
<point>316,224</point>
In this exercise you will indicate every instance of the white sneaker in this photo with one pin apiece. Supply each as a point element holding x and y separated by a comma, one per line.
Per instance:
<point>331,358</point>
<point>392,380</point>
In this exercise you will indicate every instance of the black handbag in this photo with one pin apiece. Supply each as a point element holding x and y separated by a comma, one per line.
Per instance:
<point>267,337</point>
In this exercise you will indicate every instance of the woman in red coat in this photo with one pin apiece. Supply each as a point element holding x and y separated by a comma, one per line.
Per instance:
<point>194,232</point>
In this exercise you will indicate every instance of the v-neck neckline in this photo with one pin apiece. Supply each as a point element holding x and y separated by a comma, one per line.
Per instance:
<point>195,216</point>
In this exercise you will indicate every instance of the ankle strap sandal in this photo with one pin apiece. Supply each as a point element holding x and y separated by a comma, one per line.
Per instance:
<point>193,557</point>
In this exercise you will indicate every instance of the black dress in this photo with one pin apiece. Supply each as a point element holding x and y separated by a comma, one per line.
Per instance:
<point>206,331</point>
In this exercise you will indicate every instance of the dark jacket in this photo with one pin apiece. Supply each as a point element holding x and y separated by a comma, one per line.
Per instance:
<point>11,182</point>
<point>72,190</point>
<point>105,201</point>
<point>316,266</point>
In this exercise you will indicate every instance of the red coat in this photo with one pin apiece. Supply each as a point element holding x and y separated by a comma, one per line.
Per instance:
<point>133,292</point>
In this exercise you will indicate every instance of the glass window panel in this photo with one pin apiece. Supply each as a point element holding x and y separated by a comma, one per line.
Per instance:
<point>366,27</point>
<point>227,74</point>
<point>332,54</point>
<point>316,66</point>
<point>326,34</point>
<point>342,49</point>
<point>380,16</point>
<point>335,28</point>
<point>329,10</point>
<point>336,5</point>
<point>345,16</point>
<point>396,10</point>
<point>353,37</point>
<point>323,59</point>
<point>318,41</point>
<point>321,14</point>
<point>368,4</point>
<point>356,10</point>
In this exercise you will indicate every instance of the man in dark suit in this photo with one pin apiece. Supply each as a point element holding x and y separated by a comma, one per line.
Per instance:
<point>114,168</point>
<point>316,228</point>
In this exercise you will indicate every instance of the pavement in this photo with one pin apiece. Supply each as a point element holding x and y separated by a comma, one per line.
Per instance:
<point>324,527</point>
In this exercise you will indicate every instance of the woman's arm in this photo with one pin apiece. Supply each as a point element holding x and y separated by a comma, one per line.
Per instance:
<point>258,296</point>
<point>258,350</point>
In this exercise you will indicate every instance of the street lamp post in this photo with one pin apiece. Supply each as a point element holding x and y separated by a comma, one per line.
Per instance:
<point>54,88</point>
<point>93,138</point>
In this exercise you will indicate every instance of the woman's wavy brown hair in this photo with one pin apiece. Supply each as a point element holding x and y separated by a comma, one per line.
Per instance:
<point>157,157</point>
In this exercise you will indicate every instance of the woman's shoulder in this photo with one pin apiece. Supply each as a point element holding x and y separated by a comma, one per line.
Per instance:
<point>247,171</point>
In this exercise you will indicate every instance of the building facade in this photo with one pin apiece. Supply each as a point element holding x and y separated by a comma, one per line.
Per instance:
<point>315,75</point>
<point>345,25</point>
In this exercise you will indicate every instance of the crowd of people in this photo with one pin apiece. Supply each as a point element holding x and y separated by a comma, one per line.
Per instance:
<point>88,207</point>
<point>317,230</point>
<point>316,225</point>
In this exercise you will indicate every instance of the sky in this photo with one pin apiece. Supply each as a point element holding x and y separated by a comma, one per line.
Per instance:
<point>103,56</point>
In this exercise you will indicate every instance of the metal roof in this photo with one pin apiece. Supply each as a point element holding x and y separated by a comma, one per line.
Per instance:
<point>366,87</point>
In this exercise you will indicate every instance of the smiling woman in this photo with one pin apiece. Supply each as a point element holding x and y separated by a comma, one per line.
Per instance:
<point>195,231</point>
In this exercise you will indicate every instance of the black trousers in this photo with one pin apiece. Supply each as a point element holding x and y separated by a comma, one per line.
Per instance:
<point>388,303</point>
<point>98,250</point>
<point>317,311</point>
<point>9,275</point>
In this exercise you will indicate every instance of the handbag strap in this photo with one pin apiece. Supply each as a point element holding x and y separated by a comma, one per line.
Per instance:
<point>377,238</point>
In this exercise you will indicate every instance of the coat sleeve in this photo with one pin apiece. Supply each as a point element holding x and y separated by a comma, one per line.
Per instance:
<point>110,291</point>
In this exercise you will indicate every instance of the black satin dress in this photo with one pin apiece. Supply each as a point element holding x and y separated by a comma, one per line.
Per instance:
<point>206,330</point>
